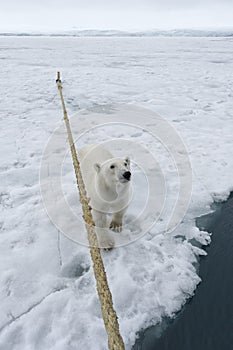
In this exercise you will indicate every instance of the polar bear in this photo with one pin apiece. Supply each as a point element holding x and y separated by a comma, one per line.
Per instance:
<point>107,182</point>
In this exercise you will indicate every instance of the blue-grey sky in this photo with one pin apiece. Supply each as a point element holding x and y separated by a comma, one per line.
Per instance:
<point>59,15</point>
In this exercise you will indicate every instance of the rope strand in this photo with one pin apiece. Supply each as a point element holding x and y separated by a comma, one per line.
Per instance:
<point>115,341</point>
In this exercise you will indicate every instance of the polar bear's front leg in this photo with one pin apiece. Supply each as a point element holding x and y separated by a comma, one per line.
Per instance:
<point>116,222</point>
<point>104,238</point>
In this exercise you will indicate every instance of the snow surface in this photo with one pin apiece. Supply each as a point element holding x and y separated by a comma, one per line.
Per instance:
<point>48,297</point>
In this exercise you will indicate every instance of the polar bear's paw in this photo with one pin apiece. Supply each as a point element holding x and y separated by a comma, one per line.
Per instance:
<point>107,243</point>
<point>116,226</point>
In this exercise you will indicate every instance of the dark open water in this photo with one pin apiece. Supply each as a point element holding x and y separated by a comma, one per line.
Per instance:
<point>206,321</point>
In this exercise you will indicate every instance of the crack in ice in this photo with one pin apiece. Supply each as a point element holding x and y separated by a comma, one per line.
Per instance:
<point>32,307</point>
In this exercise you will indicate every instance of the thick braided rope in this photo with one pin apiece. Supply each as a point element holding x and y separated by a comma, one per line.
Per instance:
<point>115,341</point>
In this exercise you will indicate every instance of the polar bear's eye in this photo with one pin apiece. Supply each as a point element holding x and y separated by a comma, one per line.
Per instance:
<point>125,164</point>
<point>112,166</point>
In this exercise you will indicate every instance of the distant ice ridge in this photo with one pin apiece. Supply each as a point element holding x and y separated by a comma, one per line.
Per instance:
<point>118,33</point>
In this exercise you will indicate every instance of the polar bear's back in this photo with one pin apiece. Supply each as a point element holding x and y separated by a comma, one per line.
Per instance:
<point>94,154</point>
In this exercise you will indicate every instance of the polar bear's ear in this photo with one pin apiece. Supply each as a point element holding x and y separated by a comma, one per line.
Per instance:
<point>127,160</point>
<point>97,167</point>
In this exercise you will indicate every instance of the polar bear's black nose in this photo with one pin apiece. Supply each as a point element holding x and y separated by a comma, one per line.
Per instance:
<point>127,175</point>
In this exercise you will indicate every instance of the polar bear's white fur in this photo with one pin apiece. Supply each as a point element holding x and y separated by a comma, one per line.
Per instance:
<point>107,182</point>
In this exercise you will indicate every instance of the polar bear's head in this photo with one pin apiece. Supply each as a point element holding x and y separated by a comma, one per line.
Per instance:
<point>114,171</point>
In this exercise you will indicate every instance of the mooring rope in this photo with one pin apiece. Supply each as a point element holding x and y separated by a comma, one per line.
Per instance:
<point>115,341</point>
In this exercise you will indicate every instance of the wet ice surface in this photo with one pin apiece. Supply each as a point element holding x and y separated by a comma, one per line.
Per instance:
<point>48,298</point>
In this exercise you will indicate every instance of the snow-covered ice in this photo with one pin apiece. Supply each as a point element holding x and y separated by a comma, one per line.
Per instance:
<point>48,297</point>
